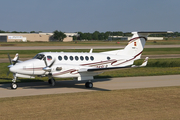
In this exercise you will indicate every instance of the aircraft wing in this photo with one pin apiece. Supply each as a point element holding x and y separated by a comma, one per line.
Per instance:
<point>113,68</point>
<point>106,69</point>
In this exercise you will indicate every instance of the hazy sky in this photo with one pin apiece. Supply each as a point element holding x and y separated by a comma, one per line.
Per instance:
<point>90,15</point>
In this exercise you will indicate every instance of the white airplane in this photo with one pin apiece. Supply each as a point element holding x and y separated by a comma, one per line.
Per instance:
<point>81,66</point>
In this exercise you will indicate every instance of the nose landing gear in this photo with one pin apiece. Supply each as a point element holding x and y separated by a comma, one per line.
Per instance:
<point>14,85</point>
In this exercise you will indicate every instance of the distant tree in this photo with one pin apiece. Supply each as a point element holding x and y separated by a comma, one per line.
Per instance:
<point>106,35</point>
<point>14,32</point>
<point>1,31</point>
<point>101,36</point>
<point>118,33</point>
<point>81,36</point>
<point>58,35</point>
<point>74,37</point>
<point>32,32</point>
<point>89,36</point>
<point>95,35</point>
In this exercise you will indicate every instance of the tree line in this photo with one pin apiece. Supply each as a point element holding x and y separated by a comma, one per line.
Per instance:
<point>58,35</point>
<point>107,35</point>
<point>97,35</point>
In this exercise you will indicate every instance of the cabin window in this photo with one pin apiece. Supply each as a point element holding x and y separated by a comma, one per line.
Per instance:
<point>60,58</point>
<point>82,58</point>
<point>71,57</point>
<point>92,58</point>
<point>108,58</point>
<point>87,58</point>
<point>49,58</point>
<point>58,68</point>
<point>65,57</point>
<point>76,58</point>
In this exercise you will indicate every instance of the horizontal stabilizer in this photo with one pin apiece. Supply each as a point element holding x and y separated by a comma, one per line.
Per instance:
<point>143,64</point>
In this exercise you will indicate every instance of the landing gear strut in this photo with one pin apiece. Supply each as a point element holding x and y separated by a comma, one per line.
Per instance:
<point>89,84</point>
<point>14,85</point>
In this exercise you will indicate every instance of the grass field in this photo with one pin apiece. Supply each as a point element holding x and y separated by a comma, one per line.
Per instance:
<point>134,104</point>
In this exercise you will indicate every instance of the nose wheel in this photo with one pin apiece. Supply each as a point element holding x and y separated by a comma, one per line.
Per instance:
<point>14,86</point>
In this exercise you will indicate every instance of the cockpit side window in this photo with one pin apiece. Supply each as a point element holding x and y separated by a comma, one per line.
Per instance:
<point>39,56</point>
<point>49,58</point>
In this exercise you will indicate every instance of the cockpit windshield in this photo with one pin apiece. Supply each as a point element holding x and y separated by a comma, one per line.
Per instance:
<point>39,56</point>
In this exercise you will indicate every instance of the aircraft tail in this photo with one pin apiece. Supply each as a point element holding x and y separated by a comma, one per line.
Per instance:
<point>136,45</point>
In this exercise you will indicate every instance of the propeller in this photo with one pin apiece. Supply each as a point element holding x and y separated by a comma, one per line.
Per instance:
<point>12,62</point>
<point>48,68</point>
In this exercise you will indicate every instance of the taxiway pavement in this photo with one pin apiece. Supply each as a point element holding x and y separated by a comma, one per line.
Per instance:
<point>107,84</point>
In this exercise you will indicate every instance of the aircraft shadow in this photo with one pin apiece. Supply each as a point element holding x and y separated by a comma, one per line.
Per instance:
<point>59,84</point>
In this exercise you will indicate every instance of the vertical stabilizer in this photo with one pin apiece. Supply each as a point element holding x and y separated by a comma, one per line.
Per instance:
<point>136,44</point>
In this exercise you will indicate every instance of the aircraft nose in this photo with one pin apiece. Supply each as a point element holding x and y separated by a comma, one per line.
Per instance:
<point>22,68</point>
<point>13,69</point>
<point>16,69</point>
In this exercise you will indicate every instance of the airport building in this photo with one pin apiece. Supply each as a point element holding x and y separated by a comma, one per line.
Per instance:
<point>33,37</point>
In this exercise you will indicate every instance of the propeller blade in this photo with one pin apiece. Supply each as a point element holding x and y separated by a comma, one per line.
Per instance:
<point>45,61</point>
<point>8,73</point>
<point>52,63</point>
<point>10,59</point>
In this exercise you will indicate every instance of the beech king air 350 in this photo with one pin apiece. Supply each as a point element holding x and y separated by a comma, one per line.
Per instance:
<point>81,66</point>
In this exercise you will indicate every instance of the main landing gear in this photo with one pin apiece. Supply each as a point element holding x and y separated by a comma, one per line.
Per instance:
<point>89,84</point>
<point>52,81</point>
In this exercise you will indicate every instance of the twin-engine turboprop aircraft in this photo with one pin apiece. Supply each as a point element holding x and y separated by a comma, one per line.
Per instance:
<point>81,66</point>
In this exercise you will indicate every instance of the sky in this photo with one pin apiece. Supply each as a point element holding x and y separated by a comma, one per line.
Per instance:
<point>90,15</point>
